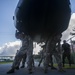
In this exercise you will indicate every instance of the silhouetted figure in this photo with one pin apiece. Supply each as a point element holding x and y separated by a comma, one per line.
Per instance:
<point>66,52</point>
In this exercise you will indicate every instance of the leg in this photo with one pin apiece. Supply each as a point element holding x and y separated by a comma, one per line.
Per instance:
<point>52,67</point>
<point>16,62</point>
<point>63,57</point>
<point>40,61</point>
<point>59,62</point>
<point>33,62</point>
<point>50,46</point>
<point>46,62</point>
<point>47,55</point>
<point>23,61</point>
<point>51,61</point>
<point>30,61</point>
<point>30,57</point>
<point>69,59</point>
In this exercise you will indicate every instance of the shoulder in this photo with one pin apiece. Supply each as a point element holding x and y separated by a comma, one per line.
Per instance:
<point>68,44</point>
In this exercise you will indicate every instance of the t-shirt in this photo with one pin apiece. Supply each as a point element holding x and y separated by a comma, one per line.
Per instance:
<point>66,47</point>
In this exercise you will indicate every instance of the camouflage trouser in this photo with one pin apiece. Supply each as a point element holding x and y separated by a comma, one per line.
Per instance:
<point>29,59</point>
<point>68,56</point>
<point>57,56</point>
<point>24,59</point>
<point>50,50</point>
<point>19,57</point>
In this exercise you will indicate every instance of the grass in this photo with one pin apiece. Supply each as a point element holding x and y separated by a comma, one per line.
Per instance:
<point>55,65</point>
<point>5,62</point>
<point>66,66</point>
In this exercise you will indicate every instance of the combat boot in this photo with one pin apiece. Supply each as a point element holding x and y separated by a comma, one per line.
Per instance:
<point>53,68</point>
<point>30,71</point>
<point>17,68</point>
<point>22,66</point>
<point>11,71</point>
<point>61,70</point>
<point>45,70</point>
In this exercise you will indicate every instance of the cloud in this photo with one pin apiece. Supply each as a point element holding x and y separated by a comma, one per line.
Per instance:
<point>9,49</point>
<point>66,33</point>
<point>36,49</point>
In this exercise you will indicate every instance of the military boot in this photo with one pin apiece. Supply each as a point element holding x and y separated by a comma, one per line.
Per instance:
<point>53,68</point>
<point>30,71</point>
<point>45,70</point>
<point>61,70</point>
<point>22,66</point>
<point>17,68</point>
<point>11,71</point>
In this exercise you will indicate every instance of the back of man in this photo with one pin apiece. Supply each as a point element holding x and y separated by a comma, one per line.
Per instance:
<point>66,48</point>
<point>66,52</point>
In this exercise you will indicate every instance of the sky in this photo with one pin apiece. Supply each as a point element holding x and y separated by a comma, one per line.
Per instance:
<point>8,43</point>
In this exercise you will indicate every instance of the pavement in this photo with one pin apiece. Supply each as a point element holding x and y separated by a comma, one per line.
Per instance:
<point>36,70</point>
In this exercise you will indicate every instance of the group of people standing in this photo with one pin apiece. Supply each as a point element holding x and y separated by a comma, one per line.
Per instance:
<point>60,52</point>
<point>52,47</point>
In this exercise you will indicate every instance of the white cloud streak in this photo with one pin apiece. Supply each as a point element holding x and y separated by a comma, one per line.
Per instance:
<point>9,49</point>
<point>66,33</point>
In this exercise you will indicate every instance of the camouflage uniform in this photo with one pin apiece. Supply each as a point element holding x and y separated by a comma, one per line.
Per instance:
<point>23,60</point>
<point>43,56</point>
<point>27,48</point>
<point>51,50</point>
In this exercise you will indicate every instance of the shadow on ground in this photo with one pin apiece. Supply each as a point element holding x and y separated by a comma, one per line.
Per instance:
<point>36,71</point>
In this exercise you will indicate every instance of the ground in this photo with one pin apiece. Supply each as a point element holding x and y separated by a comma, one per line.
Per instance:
<point>36,71</point>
